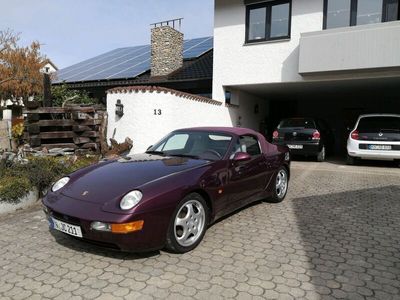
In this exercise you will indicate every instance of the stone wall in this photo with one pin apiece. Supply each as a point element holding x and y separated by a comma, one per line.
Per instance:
<point>166,50</point>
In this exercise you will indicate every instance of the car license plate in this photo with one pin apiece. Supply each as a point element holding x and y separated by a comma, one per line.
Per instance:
<point>379,147</point>
<point>295,146</point>
<point>65,227</point>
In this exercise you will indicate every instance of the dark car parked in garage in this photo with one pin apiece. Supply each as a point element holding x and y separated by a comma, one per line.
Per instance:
<point>305,136</point>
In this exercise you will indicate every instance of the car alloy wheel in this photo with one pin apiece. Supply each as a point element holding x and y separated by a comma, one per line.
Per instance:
<point>188,224</point>
<point>281,186</point>
<point>281,183</point>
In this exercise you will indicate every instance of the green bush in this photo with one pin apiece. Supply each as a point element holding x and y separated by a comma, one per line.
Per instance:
<point>12,189</point>
<point>42,171</point>
<point>39,173</point>
<point>62,94</point>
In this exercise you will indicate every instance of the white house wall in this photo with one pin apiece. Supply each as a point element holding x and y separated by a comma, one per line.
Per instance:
<point>144,127</point>
<point>271,62</point>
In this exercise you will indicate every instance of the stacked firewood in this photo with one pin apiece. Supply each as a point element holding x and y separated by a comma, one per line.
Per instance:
<point>73,127</point>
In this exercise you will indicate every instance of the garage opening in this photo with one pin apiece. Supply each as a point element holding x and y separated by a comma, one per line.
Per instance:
<point>339,103</point>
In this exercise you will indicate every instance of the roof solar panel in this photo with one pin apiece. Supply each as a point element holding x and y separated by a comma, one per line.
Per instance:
<point>200,47</point>
<point>92,61</point>
<point>104,67</point>
<point>127,62</point>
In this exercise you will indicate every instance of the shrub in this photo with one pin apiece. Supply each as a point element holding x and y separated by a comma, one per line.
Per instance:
<point>62,94</point>
<point>17,130</point>
<point>42,171</point>
<point>39,173</point>
<point>12,189</point>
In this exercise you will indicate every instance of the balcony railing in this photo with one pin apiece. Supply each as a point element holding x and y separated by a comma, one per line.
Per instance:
<point>351,49</point>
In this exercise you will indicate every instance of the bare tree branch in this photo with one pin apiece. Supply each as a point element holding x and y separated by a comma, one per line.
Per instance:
<point>8,39</point>
<point>7,80</point>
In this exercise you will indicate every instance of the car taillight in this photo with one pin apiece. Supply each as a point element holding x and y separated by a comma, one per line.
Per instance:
<point>275,134</point>
<point>354,135</point>
<point>316,135</point>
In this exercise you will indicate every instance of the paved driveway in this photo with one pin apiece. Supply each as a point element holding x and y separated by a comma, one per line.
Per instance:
<point>337,235</point>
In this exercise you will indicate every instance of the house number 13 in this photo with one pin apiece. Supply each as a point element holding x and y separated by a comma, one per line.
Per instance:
<point>157,112</point>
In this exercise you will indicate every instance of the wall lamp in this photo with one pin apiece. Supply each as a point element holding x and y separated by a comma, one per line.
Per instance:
<point>119,108</point>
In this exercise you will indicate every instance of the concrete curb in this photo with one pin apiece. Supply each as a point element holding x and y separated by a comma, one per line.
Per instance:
<point>27,201</point>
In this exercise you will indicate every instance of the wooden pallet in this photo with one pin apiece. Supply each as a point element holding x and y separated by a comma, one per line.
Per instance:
<point>73,127</point>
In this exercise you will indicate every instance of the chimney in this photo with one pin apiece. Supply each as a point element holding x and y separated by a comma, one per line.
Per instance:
<point>166,48</point>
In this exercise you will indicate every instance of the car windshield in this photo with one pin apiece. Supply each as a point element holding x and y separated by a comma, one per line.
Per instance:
<point>193,144</point>
<point>298,123</point>
<point>379,124</point>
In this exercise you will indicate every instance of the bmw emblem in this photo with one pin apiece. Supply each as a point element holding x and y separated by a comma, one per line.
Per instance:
<point>294,133</point>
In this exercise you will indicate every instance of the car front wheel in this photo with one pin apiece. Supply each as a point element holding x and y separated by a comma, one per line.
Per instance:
<point>188,224</point>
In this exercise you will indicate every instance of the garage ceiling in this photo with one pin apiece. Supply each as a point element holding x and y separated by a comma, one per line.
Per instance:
<point>384,86</point>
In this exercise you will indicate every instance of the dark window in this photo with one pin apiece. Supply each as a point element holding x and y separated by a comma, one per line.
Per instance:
<point>228,97</point>
<point>257,25</point>
<point>369,11</point>
<point>337,13</point>
<point>391,10</point>
<point>268,21</point>
<point>297,123</point>
<point>342,13</point>
<point>379,124</point>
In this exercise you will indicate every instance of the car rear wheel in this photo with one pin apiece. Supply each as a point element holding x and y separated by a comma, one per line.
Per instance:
<point>321,155</point>
<point>188,224</point>
<point>281,186</point>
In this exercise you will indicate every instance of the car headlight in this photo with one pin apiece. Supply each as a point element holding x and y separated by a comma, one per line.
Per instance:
<point>130,200</point>
<point>60,184</point>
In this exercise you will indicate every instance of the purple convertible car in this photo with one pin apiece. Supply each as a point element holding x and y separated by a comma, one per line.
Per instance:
<point>168,196</point>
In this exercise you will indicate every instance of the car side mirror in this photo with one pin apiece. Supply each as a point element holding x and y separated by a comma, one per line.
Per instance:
<point>241,156</point>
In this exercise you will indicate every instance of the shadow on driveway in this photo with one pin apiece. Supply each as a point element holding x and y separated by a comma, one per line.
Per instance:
<point>352,242</point>
<point>92,248</point>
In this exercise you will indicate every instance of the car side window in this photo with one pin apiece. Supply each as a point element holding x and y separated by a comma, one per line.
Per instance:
<point>248,144</point>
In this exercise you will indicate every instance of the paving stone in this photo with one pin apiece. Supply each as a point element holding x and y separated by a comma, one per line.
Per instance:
<point>336,236</point>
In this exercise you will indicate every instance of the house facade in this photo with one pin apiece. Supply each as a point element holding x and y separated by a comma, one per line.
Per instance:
<point>327,58</point>
<point>145,113</point>
<point>49,67</point>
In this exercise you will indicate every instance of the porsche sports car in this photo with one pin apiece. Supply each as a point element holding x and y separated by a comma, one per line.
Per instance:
<point>168,196</point>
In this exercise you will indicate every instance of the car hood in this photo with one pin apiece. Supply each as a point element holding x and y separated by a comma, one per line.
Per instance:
<point>110,180</point>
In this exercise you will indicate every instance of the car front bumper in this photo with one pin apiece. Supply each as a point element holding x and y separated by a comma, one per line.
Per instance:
<point>150,237</point>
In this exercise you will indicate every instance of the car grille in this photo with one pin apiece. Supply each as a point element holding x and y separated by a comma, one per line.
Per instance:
<point>65,218</point>
<point>101,244</point>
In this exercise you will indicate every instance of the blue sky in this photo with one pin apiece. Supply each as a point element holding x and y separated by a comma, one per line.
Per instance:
<point>73,30</point>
